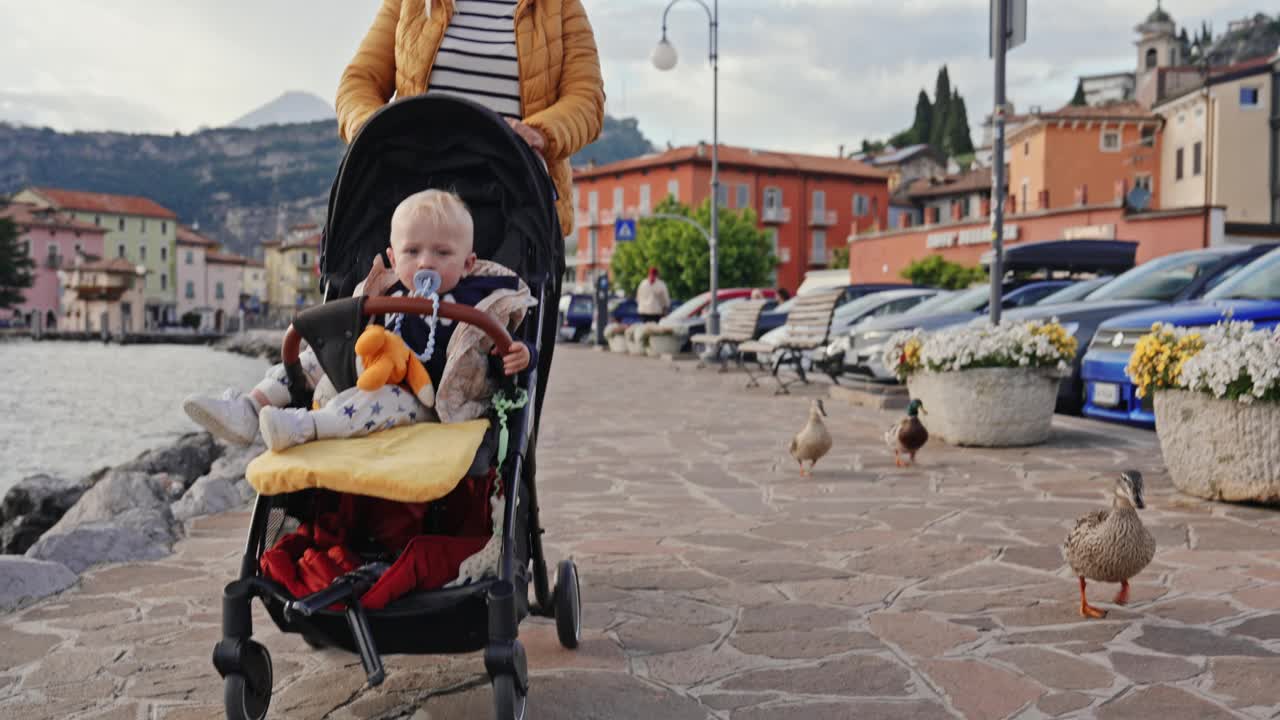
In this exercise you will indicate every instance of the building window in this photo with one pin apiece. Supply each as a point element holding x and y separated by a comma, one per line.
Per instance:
<point>644,198</point>
<point>1148,136</point>
<point>1142,181</point>
<point>217,291</point>
<point>52,259</point>
<point>164,228</point>
<point>120,250</point>
<point>617,200</point>
<point>1195,159</point>
<point>190,257</point>
<point>78,247</point>
<point>966,206</point>
<point>121,223</point>
<point>164,253</point>
<point>1177,165</point>
<point>164,281</point>
<point>97,220</point>
<point>1248,97</point>
<point>593,237</point>
<point>1026,195</point>
<point>818,252</point>
<point>773,241</point>
<point>1152,59</point>
<point>303,261</point>
<point>142,253</point>
<point>673,188</point>
<point>722,195</point>
<point>593,203</point>
<point>859,205</point>
<point>1026,148</point>
<point>819,201</point>
<point>143,225</point>
<point>1111,141</point>
<point>191,290</point>
<point>744,195</point>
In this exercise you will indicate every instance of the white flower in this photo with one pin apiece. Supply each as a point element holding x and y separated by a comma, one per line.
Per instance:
<point>1235,360</point>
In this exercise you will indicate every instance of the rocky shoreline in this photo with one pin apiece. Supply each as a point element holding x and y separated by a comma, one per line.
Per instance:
<point>52,528</point>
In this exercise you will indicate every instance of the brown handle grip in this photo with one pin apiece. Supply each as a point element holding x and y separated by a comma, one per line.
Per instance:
<point>414,306</point>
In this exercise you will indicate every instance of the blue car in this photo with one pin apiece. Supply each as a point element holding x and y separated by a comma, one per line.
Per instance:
<point>1251,294</point>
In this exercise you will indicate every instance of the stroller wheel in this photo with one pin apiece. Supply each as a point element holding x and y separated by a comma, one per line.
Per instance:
<point>568,604</point>
<point>248,695</point>
<point>508,703</point>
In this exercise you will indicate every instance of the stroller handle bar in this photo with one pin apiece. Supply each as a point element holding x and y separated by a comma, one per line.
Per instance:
<point>413,306</point>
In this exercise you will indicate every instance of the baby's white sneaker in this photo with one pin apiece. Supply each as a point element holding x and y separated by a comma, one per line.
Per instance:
<point>232,418</point>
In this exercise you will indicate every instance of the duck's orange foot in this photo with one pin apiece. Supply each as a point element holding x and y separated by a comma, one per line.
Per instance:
<point>1090,611</point>
<point>1122,597</point>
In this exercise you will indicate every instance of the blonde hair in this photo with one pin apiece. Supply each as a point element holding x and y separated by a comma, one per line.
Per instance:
<point>442,209</point>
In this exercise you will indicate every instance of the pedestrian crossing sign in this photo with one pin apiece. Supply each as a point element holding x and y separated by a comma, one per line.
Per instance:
<point>624,230</point>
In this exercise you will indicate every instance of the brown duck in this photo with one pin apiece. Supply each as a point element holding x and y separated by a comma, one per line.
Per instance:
<point>907,435</point>
<point>1111,545</point>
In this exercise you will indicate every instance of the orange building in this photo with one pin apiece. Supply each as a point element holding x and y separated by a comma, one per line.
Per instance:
<point>1083,155</point>
<point>808,204</point>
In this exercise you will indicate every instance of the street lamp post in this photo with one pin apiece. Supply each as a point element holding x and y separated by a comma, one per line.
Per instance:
<point>664,58</point>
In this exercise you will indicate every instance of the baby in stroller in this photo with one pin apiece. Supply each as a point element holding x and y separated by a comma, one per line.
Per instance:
<point>430,230</point>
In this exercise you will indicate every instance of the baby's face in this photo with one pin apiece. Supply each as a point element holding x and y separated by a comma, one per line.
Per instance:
<point>420,245</point>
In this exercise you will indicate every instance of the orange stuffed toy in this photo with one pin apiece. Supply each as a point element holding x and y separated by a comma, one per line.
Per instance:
<point>382,357</point>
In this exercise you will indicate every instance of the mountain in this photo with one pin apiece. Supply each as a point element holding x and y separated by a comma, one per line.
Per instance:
<point>291,107</point>
<point>243,186</point>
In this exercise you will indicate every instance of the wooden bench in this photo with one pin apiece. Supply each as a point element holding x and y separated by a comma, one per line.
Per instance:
<point>808,327</point>
<point>739,326</point>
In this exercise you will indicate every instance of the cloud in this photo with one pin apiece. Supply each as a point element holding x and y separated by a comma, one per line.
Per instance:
<point>794,74</point>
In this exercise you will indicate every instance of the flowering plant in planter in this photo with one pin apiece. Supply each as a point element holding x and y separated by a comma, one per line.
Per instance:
<point>614,329</point>
<point>1012,345</point>
<point>1229,360</point>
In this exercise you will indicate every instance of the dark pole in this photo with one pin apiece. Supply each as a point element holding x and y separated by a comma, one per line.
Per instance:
<point>998,193</point>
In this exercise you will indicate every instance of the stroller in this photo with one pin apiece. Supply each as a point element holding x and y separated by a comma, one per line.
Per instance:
<point>408,146</point>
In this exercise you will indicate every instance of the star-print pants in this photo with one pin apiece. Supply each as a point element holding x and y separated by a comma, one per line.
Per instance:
<point>356,413</point>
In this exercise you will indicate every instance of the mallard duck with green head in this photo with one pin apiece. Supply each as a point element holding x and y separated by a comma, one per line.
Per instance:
<point>907,435</point>
<point>1111,545</point>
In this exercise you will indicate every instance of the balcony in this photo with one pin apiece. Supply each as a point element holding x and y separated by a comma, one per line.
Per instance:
<point>775,215</point>
<point>822,218</point>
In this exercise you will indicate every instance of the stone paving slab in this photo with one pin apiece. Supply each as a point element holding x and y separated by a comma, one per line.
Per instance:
<point>718,583</point>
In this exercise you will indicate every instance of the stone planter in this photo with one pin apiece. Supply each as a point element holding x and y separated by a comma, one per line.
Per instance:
<point>635,347</point>
<point>1220,449</point>
<point>987,407</point>
<point>618,343</point>
<point>660,345</point>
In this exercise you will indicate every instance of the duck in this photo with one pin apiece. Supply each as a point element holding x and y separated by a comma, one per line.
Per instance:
<point>813,441</point>
<point>1111,545</point>
<point>907,435</point>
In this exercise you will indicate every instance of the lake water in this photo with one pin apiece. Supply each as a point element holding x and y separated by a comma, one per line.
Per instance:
<point>69,408</point>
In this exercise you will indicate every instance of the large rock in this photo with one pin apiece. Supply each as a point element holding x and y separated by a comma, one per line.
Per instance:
<point>23,581</point>
<point>254,343</point>
<point>223,488</point>
<point>189,458</point>
<point>1220,449</point>
<point>33,506</point>
<point>125,517</point>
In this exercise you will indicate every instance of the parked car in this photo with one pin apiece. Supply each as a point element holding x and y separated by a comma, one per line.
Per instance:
<point>1172,278</point>
<point>866,342</point>
<point>691,316</point>
<point>577,313</point>
<point>777,317</point>
<point>1251,294</point>
<point>1076,291</point>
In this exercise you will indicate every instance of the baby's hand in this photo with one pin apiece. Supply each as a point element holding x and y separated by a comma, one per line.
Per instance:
<point>516,359</point>
<point>379,280</point>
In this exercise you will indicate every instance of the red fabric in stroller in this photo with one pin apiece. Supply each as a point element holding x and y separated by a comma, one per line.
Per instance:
<point>310,558</point>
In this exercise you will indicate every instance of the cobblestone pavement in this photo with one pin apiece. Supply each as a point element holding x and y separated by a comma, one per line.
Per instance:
<point>719,583</point>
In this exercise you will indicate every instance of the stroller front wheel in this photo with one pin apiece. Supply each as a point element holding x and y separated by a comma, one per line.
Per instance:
<point>508,703</point>
<point>248,695</point>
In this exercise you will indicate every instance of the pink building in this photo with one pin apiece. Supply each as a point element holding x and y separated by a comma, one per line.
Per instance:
<point>225,279</point>
<point>52,239</point>
<point>209,280</point>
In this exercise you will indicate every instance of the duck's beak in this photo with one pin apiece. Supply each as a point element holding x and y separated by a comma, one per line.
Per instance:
<point>1138,502</point>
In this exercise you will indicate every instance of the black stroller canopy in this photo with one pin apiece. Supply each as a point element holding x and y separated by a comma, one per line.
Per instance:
<point>444,143</point>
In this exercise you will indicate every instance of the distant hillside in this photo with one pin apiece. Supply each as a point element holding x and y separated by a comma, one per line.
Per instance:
<point>291,107</point>
<point>242,185</point>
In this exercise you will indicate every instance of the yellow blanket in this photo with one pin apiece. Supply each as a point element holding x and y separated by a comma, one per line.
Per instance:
<point>411,463</point>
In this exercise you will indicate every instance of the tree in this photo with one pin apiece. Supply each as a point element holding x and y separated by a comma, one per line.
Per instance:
<point>934,271</point>
<point>941,109</point>
<point>839,257</point>
<point>681,254</point>
<point>922,127</point>
<point>15,266</point>
<point>1078,99</point>
<point>958,140</point>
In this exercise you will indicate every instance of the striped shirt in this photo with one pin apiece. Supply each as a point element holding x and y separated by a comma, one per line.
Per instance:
<point>477,57</point>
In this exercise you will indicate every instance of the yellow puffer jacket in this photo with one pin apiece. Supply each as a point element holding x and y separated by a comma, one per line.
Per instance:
<point>561,92</point>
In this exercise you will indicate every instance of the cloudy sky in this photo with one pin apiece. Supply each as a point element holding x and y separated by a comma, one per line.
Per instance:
<point>804,75</point>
